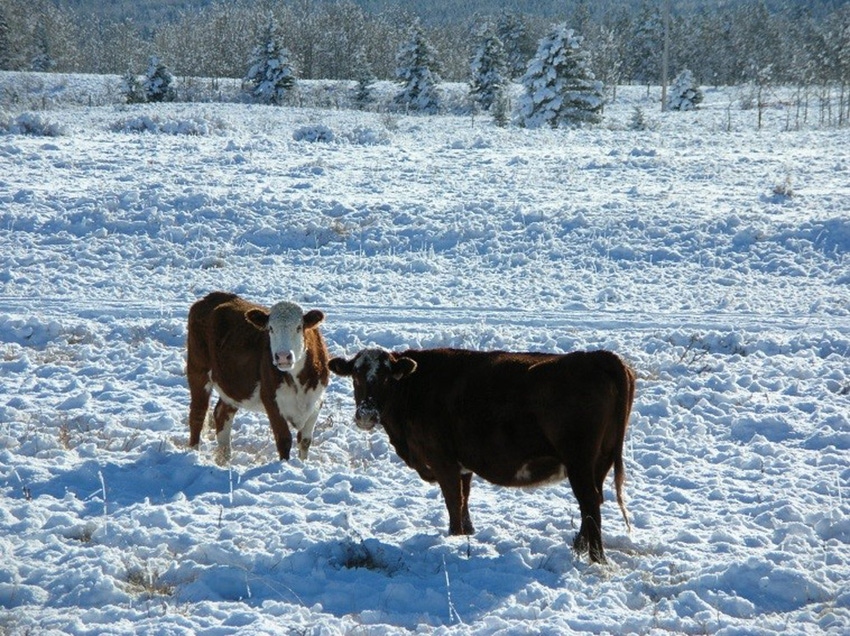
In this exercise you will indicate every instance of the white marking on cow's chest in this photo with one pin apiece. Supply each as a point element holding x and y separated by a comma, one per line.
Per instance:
<point>298,405</point>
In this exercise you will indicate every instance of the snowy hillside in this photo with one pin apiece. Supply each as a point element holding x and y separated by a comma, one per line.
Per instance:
<point>711,256</point>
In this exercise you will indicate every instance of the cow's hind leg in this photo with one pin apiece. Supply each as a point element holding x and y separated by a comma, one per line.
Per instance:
<point>466,483</point>
<point>589,537</point>
<point>223,416</point>
<point>199,392</point>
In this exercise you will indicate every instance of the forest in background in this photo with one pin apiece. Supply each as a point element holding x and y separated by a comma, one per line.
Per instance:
<point>731,43</point>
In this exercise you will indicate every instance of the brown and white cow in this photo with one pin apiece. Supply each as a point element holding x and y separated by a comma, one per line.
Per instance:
<point>514,419</point>
<point>264,360</point>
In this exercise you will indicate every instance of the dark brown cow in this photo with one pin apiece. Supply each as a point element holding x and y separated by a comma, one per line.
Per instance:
<point>263,360</point>
<point>514,419</point>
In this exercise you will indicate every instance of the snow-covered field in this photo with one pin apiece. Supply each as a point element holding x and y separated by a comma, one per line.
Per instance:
<point>713,257</point>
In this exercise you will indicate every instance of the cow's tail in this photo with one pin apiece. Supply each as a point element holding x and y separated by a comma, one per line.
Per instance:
<point>624,412</point>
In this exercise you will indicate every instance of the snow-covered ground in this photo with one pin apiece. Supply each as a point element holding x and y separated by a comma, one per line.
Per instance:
<point>712,256</point>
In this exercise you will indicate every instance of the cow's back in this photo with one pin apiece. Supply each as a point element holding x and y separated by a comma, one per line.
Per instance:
<point>470,381</point>
<point>198,345</point>
<point>460,382</point>
<point>497,413</point>
<point>223,345</point>
<point>466,407</point>
<point>580,383</point>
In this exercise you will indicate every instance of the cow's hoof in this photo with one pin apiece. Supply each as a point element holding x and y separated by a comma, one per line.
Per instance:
<point>222,455</point>
<point>580,544</point>
<point>303,449</point>
<point>597,555</point>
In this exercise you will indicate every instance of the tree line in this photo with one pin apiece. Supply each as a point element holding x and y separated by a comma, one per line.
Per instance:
<point>725,44</point>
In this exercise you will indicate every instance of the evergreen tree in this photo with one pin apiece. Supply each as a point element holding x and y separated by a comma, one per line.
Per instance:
<point>270,72</point>
<point>756,41</point>
<point>417,70</point>
<point>42,61</point>
<point>647,42</point>
<point>112,48</point>
<point>158,82</point>
<point>365,79</point>
<point>638,120</point>
<point>518,44</point>
<point>488,70</point>
<point>132,89</point>
<point>560,88</point>
<point>343,25</point>
<point>581,19</point>
<point>722,43</point>
<point>684,93</point>
<point>5,45</point>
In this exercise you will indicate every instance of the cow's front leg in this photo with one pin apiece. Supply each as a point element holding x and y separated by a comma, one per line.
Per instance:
<point>452,487</point>
<point>282,438</point>
<point>305,436</point>
<point>223,415</point>
<point>280,429</point>
<point>278,423</point>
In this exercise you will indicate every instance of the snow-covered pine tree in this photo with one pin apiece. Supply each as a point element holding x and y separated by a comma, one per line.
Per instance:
<point>364,77</point>
<point>560,88</point>
<point>684,93</point>
<point>518,44</point>
<point>638,120</point>
<point>645,44</point>
<point>418,72</point>
<point>270,70</point>
<point>132,89</point>
<point>42,61</point>
<point>488,70</point>
<point>157,84</point>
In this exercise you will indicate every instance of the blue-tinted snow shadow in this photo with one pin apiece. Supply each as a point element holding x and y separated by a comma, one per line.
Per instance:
<point>405,585</point>
<point>153,476</point>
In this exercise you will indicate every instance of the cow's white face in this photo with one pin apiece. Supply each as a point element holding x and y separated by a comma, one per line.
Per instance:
<point>286,335</point>
<point>373,373</point>
<point>286,324</point>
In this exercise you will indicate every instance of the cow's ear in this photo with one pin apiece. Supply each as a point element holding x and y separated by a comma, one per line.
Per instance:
<point>402,367</point>
<point>341,366</point>
<point>312,318</point>
<point>258,318</point>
